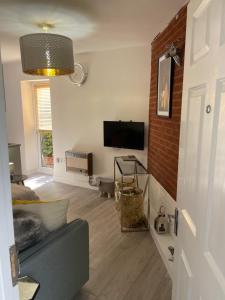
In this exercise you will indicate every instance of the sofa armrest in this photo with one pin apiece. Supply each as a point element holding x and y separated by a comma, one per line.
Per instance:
<point>60,263</point>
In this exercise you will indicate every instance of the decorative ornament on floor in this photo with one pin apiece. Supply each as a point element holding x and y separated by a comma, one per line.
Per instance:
<point>173,51</point>
<point>161,223</point>
<point>46,54</point>
<point>80,74</point>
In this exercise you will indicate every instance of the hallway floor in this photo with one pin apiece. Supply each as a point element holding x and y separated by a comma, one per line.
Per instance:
<point>123,266</point>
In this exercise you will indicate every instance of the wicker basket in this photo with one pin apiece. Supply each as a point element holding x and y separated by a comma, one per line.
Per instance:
<point>127,182</point>
<point>131,203</point>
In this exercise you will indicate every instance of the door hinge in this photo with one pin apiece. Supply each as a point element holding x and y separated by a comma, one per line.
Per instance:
<point>14,264</point>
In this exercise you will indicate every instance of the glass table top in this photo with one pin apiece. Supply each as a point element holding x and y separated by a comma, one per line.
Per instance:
<point>130,165</point>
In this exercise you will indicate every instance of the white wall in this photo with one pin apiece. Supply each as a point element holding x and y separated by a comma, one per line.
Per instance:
<point>158,197</point>
<point>6,219</point>
<point>19,116</point>
<point>117,88</point>
<point>14,113</point>
<point>30,129</point>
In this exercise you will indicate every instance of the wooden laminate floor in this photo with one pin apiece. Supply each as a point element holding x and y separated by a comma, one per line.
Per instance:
<point>123,266</point>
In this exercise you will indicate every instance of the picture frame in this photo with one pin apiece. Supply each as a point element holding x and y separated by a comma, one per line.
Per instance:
<point>165,71</point>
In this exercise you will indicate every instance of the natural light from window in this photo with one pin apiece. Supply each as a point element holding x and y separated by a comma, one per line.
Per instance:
<point>44,124</point>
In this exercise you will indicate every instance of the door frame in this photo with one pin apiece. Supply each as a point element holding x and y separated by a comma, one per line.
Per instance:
<point>7,291</point>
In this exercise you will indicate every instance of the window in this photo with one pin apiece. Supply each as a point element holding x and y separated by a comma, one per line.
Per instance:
<point>44,109</point>
<point>44,124</point>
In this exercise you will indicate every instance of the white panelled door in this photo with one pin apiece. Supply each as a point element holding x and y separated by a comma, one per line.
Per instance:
<point>7,291</point>
<point>200,259</point>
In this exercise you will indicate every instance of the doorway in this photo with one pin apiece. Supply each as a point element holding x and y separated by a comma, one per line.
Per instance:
<point>43,113</point>
<point>37,149</point>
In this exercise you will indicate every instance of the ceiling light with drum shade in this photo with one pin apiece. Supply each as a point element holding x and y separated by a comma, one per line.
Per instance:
<point>46,54</point>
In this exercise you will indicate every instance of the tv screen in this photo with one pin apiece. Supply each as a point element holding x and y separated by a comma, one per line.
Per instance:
<point>128,135</point>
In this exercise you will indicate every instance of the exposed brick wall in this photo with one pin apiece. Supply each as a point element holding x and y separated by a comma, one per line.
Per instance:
<point>164,132</point>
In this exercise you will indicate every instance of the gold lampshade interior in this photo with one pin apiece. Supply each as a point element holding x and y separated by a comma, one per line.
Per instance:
<point>49,72</point>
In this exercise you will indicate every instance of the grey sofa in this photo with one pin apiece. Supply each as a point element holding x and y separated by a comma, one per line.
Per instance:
<point>60,263</point>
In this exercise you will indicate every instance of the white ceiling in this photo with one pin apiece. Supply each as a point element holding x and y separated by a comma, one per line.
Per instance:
<point>94,25</point>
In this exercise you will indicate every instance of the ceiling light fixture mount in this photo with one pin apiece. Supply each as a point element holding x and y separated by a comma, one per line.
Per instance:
<point>46,54</point>
<point>46,26</point>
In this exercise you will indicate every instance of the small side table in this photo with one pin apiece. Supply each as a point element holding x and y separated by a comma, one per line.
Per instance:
<point>18,179</point>
<point>28,288</point>
<point>106,186</point>
<point>134,200</point>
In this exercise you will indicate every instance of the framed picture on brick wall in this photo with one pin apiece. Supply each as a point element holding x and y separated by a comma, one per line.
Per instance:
<point>164,86</point>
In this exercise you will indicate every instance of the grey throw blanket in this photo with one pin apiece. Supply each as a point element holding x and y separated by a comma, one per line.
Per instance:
<point>28,229</point>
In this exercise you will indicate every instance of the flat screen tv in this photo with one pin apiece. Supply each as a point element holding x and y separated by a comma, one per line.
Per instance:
<point>128,135</point>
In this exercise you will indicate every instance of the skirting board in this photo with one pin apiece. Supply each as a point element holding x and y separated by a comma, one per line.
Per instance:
<point>48,171</point>
<point>30,172</point>
<point>75,182</point>
<point>159,196</point>
<point>162,242</point>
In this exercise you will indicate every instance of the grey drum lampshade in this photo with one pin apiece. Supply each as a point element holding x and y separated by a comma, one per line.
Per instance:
<point>46,54</point>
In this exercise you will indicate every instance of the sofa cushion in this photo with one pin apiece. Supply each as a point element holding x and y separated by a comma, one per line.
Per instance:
<point>60,262</point>
<point>53,214</point>
<point>52,236</point>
